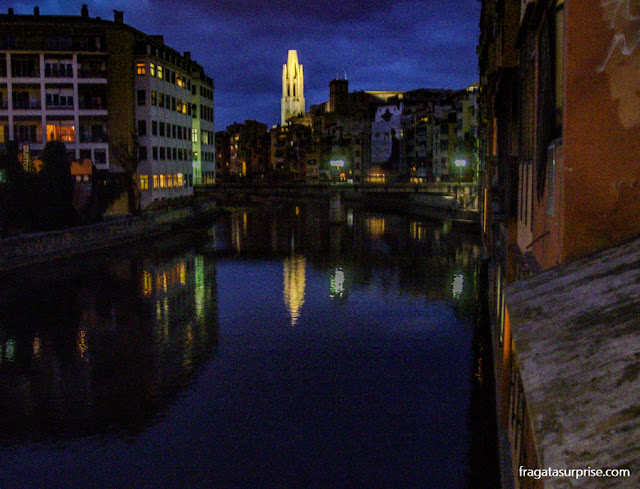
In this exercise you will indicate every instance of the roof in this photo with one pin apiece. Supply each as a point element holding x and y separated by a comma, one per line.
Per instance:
<point>576,331</point>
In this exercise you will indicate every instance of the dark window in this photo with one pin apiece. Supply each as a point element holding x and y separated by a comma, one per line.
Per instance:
<point>142,128</point>
<point>141,97</point>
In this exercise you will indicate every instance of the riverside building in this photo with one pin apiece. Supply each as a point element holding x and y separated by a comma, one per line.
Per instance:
<point>115,96</point>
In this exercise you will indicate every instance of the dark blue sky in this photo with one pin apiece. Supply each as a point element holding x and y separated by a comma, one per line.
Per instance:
<point>243,44</point>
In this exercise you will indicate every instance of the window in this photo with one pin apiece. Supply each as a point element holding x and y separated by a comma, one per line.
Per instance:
<point>154,128</point>
<point>141,69</point>
<point>160,99</point>
<point>194,135</point>
<point>160,74</point>
<point>162,129</point>
<point>162,153</point>
<point>100,156</point>
<point>144,182</point>
<point>61,100</point>
<point>155,182</point>
<point>162,181</point>
<point>173,131</point>
<point>142,153</point>
<point>61,131</point>
<point>152,69</point>
<point>141,97</point>
<point>155,153</point>
<point>142,128</point>
<point>154,98</point>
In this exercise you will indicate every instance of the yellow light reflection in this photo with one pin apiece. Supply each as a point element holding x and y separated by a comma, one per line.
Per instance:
<point>82,343</point>
<point>376,226</point>
<point>37,346</point>
<point>418,231</point>
<point>294,285</point>
<point>147,283</point>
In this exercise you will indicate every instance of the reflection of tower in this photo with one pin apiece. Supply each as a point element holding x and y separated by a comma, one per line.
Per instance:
<point>292,104</point>
<point>294,285</point>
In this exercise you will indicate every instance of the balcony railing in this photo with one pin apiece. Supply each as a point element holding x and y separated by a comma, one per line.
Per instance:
<point>32,105</point>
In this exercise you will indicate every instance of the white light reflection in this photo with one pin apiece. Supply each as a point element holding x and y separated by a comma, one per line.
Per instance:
<point>458,285</point>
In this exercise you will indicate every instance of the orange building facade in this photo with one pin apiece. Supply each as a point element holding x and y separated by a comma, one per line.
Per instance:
<point>560,141</point>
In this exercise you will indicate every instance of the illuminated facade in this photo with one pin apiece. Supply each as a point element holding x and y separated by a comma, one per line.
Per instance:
<point>292,104</point>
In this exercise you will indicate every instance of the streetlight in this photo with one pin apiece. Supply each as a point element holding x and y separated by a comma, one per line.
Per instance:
<point>460,164</point>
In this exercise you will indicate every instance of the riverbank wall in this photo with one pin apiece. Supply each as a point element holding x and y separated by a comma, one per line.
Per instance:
<point>34,248</point>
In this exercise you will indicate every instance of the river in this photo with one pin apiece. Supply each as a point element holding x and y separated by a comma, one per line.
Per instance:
<point>271,349</point>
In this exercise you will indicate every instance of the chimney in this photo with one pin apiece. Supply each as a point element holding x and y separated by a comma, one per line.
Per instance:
<point>118,16</point>
<point>187,55</point>
<point>36,11</point>
<point>84,11</point>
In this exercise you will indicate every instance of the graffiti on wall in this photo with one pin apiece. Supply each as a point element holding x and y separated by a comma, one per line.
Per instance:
<point>621,61</point>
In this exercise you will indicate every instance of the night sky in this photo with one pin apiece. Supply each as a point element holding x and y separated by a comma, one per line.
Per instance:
<point>243,44</point>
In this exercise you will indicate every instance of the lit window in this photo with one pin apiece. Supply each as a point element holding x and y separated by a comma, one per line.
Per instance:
<point>155,181</point>
<point>160,71</point>
<point>154,98</point>
<point>144,182</point>
<point>194,135</point>
<point>180,180</point>
<point>141,69</point>
<point>152,69</point>
<point>61,131</point>
<point>162,181</point>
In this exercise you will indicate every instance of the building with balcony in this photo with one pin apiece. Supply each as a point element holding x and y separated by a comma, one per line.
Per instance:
<point>115,96</point>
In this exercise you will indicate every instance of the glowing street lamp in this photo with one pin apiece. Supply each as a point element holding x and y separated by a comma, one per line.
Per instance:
<point>460,164</point>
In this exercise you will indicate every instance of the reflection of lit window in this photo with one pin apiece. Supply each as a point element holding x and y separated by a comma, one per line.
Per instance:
<point>183,273</point>
<point>37,346</point>
<point>147,283</point>
<point>375,226</point>
<point>458,285</point>
<point>10,350</point>
<point>82,343</point>
<point>418,232</point>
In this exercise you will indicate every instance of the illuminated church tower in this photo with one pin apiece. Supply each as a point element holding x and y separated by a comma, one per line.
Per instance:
<point>292,88</point>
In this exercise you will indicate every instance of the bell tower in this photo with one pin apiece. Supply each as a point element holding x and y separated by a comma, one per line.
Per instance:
<point>292,104</point>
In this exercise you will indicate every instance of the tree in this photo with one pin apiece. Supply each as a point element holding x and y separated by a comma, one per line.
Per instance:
<point>57,186</point>
<point>12,188</point>
<point>125,155</point>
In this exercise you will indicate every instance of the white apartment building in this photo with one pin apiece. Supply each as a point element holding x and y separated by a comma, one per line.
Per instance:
<point>174,122</point>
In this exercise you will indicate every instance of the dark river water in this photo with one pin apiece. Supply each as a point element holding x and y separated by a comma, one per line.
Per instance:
<point>268,350</point>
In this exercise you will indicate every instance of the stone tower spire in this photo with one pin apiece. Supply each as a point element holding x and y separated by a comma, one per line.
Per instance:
<point>292,88</point>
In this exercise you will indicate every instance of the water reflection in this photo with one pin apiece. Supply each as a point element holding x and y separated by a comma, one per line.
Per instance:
<point>173,357</point>
<point>294,284</point>
<point>103,348</point>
